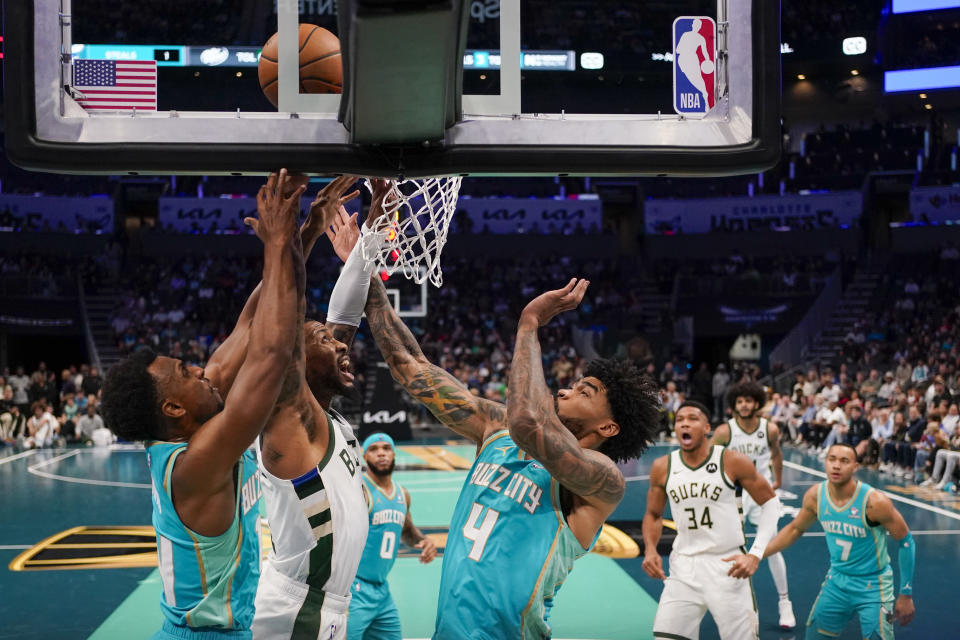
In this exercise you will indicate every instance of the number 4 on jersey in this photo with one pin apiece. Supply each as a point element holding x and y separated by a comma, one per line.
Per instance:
<point>479,534</point>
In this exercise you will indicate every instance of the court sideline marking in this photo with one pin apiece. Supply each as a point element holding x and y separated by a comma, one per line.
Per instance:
<point>17,456</point>
<point>35,470</point>
<point>892,496</point>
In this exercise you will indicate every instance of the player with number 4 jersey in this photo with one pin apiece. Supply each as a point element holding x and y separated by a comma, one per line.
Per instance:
<point>710,568</point>
<point>373,614</point>
<point>545,477</point>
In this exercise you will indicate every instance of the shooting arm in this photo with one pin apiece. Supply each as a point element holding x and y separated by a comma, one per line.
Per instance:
<point>446,398</point>
<point>535,427</point>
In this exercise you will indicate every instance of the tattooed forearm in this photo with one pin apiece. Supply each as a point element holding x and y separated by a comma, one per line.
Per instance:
<point>393,338</point>
<point>442,394</point>
<point>535,426</point>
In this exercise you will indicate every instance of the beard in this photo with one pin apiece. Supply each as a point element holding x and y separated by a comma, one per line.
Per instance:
<point>385,472</point>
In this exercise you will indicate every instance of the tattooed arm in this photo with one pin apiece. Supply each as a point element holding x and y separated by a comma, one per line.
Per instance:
<point>533,420</point>
<point>447,399</point>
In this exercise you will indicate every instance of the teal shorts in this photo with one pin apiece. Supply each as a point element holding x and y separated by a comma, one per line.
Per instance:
<point>841,597</point>
<point>171,631</point>
<point>373,614</point>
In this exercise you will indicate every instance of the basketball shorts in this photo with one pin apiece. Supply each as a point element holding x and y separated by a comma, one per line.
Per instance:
<point>287,608</point>
<point>373,614</point>
<point>171,631</point>
<point>841,597</point>
<point>697,584</point>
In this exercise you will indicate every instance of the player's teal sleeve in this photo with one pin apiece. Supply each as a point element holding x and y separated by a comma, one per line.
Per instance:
<point>907,559</point>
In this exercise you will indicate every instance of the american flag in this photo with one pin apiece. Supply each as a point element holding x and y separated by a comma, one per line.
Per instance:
<point>116,85</point>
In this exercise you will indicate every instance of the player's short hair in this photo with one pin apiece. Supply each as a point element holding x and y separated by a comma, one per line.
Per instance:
<point>746,390</point>
<point>634,401</point>
<point>131,402</point>
<point>848,446</point>
<point>697,405</point>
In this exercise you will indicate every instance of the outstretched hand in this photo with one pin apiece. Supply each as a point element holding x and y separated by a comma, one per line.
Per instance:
<point>343,233</point>
<point>327,206</point>
<point>277,213</point>
<point>542,309</point>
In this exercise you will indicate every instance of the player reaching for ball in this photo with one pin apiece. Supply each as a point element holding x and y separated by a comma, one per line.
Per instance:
<point>545,476</point>
<point>710,568</point>
<point>204,478</point>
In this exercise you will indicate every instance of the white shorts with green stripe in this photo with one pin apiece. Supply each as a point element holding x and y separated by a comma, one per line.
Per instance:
<point>288,609</point>
<point>698,584</point>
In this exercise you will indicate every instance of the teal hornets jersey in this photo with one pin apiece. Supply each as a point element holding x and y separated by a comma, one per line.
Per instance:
<point>857,547</point>
<point>387,515</point>
<point>208,582</point>
<point>508,551</point>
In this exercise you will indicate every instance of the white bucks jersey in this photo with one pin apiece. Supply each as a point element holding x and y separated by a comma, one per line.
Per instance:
<point>704,505</point>
<point>318,522</point>
<point>755,445</point>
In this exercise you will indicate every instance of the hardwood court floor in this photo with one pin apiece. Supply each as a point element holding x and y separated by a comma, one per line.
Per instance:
<point>47,492</point>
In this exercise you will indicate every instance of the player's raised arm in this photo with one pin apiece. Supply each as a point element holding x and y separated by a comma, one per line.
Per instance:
<point>653,519</point>
<point>741,470</point>
<point>881,510</point>
<point>532,416</point>
<point>205,468</point>
<point>798,526</point>
<point>446,398</point>
<point>226,360</point>
<point>415,538</point>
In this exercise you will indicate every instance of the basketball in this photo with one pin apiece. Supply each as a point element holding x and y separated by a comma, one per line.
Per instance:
<point>320,67</point>
<point>706,66</point>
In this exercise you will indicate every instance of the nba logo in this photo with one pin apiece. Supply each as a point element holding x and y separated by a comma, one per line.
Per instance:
<point>694,65</point>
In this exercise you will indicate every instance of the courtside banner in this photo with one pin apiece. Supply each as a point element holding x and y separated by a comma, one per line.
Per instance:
<point>937,205</point>
<point>478,215</point>
<point>795,212</point>
<point>54,213</point>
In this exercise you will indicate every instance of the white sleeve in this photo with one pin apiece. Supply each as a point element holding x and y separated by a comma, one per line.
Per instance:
<point>766,526</point>
<point>350,293</point>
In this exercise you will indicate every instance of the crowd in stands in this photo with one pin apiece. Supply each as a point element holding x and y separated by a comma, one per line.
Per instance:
<point>922,39</point>
<point>44,410</point>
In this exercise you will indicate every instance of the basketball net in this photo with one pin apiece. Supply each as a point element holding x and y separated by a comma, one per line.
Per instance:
<point>414,228</point>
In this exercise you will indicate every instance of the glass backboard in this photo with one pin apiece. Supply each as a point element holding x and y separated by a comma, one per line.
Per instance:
<point>548,88</point>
